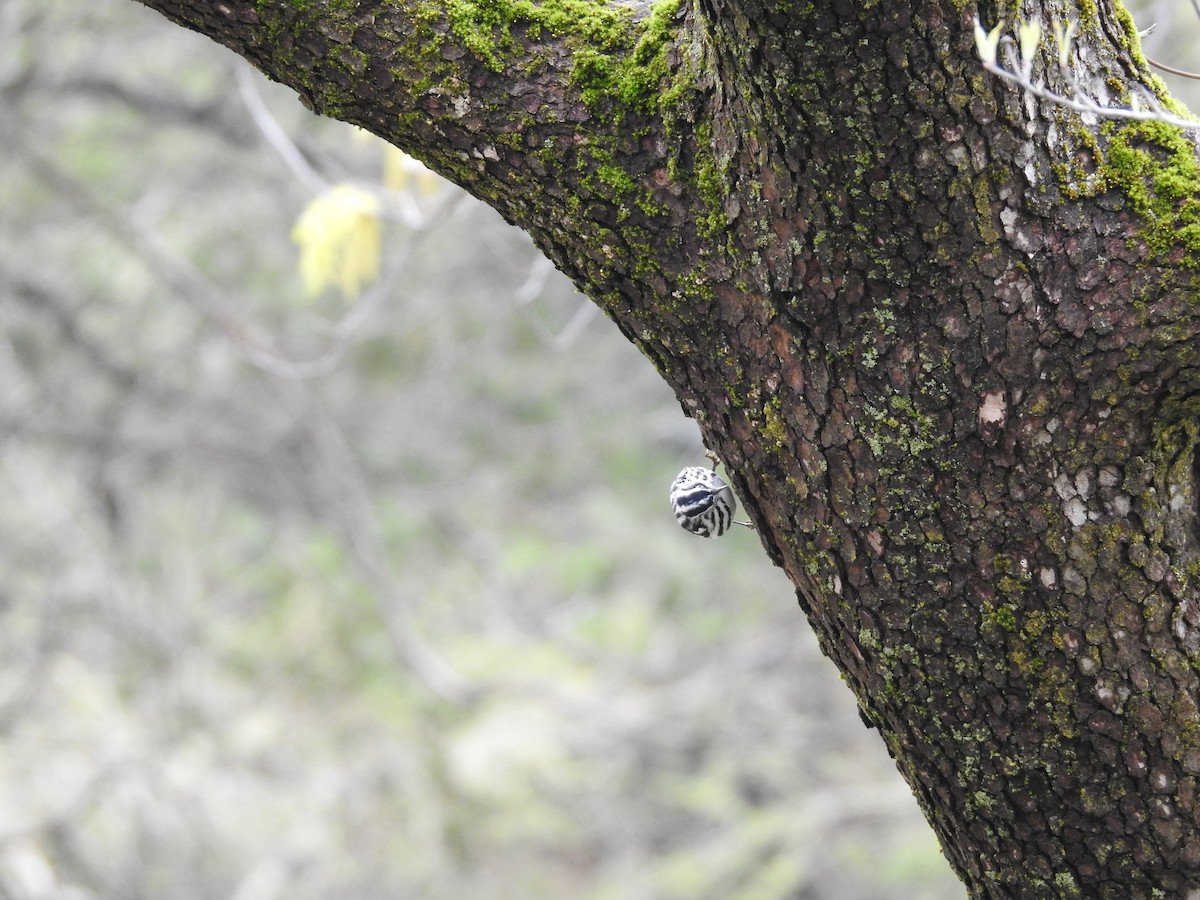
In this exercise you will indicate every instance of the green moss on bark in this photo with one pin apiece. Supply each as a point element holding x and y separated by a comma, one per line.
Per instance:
<point>1154,166</point>
<point>485,27</point>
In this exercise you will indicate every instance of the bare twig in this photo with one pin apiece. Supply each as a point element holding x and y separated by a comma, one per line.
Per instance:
<point>1171,69</point>
<point>1019,75</point>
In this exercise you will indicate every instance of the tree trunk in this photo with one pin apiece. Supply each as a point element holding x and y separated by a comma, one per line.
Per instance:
<point>943,335</point>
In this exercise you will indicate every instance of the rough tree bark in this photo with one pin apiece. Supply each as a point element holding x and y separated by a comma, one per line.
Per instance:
<point>943,335</point>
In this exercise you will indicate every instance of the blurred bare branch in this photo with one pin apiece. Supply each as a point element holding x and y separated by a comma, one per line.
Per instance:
<point>284,147</point>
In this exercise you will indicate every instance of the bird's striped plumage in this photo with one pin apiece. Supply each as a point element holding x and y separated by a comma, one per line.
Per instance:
<point>703,503</point>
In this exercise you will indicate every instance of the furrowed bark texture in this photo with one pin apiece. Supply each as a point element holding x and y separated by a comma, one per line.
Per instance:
<point>943,335</point>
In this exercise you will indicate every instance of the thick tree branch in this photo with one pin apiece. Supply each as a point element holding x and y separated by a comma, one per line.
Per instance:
<point>942,333</point>
<point>553,114</point>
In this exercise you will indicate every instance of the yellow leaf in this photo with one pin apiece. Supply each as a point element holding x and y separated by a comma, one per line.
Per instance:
<point>338,235</point>
<point>401,173</point>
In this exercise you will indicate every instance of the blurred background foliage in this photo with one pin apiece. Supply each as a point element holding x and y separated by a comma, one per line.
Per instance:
<point>310,597</point>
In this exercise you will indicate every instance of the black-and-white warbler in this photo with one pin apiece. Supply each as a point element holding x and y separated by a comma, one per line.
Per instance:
<point>703,503</point>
